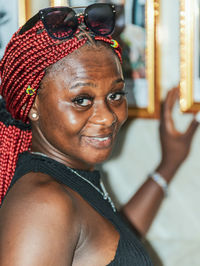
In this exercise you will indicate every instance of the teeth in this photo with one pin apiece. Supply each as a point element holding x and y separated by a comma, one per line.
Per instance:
<point>101,139</point>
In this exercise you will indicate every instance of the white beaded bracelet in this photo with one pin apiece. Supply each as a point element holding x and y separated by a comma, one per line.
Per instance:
<point>160,181</point>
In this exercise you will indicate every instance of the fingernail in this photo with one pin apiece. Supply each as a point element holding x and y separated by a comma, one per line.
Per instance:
<point>197,117</point>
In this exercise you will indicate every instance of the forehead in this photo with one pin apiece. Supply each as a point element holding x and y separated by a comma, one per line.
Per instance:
<point>87,61</point>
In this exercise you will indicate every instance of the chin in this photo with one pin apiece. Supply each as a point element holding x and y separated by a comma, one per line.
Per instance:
<point>98,157</point>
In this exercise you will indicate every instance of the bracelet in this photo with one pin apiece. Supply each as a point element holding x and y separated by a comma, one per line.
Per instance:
<point>160,181</point>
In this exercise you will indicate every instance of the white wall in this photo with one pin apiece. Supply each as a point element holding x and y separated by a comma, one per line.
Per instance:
<point>8,28</point>
<point>175,234</point>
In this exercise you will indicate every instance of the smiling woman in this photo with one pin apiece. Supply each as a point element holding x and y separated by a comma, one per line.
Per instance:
<point>63,105</point>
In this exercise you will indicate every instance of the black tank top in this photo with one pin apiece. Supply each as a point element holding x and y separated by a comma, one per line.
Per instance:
<point>130,251</point>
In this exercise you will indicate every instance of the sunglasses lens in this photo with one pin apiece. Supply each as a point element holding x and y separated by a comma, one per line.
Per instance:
<point>61,24</point>
<point>100,18</point>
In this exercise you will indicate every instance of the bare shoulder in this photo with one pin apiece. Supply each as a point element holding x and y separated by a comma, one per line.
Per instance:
<point>38,217</point>
<point>38,192</point>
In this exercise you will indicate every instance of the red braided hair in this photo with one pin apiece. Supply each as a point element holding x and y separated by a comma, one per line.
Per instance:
<point>23,66</point>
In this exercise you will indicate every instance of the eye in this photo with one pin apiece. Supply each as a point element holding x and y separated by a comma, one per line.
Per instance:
<point>83,101</point>
<point>116,96</point>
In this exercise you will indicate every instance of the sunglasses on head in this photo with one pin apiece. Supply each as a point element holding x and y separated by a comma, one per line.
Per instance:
<point>62,22</point>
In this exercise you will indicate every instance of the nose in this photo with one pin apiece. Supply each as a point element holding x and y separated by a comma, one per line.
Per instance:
<point>103,114</point>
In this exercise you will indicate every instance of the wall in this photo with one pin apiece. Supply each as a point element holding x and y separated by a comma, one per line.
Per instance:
<point>8,23</point>
<point>175,233</point>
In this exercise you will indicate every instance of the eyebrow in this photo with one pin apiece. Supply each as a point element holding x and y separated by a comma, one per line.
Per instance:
<point>90,84</point>
<point>82,84</point>
<point>118,81</point>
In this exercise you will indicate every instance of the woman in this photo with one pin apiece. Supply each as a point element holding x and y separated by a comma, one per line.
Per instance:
<point>62,82</point>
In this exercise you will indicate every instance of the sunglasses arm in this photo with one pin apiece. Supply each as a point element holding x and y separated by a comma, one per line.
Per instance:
<point>30,23</point>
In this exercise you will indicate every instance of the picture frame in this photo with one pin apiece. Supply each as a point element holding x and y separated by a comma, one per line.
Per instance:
<point>22,14</point>
<point>189,56</point>
<point>146,88</point>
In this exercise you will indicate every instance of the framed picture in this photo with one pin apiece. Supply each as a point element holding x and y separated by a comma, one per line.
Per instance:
<point>190,55</point>
<point>141,57</point>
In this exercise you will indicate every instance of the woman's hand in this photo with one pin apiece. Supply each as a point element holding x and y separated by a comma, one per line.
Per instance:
<point>143,206</point>
<point>175,145</point>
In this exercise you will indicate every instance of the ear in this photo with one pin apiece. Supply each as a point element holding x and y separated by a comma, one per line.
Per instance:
<point>34,112</point>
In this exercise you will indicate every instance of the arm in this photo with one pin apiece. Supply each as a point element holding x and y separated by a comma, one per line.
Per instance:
<point>40,229</point>
<point>143,206</point>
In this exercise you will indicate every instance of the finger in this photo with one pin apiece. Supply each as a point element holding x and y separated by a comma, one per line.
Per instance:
<point>166,114</point>
<point>192,128</point>
<point>171,98</point>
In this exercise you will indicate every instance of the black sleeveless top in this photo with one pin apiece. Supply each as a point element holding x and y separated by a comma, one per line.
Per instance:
<point>130,251</point>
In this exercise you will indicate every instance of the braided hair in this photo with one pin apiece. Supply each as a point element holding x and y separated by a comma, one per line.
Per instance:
<point>22,68</point>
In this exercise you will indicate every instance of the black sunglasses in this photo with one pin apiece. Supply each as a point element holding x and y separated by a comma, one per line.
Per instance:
<point>62,22</point>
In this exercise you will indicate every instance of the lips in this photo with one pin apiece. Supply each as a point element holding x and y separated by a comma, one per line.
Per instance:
<point>99,142</point>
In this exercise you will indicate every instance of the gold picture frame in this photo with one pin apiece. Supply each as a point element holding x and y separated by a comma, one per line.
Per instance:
<point>152,64</point>
<point>22,14</point>
<point>189,55</point>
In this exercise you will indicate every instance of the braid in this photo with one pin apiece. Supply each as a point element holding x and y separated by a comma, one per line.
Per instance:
<point>26,58</point>
<point>110,41</point>
<point>9,152</point>
<point>15,138</point>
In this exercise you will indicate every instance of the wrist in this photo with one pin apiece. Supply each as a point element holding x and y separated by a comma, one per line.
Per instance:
<point>167,170</point>
<point>160,181</point>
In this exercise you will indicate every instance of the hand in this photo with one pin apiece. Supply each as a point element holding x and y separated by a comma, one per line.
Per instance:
<point>175,145</point>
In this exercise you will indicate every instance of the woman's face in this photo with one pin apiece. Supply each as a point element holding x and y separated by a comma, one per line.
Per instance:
<point>80,108</point>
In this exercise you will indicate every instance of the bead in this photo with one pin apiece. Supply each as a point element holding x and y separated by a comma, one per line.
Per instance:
<point>30,91</point>
<point>114,44</point>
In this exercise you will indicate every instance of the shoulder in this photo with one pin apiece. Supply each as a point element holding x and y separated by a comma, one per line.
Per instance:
<point>42,216</point>
<point>38,190</point>
<point>37,194</point>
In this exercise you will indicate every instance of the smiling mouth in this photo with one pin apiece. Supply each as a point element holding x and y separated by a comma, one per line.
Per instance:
<point>99,142</point>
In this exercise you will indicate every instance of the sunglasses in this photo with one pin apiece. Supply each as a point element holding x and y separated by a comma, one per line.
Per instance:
<point>62,22</point>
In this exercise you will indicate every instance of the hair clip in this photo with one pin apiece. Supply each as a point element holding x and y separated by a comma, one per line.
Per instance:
<point>114,44</point>
<point>30,91</point>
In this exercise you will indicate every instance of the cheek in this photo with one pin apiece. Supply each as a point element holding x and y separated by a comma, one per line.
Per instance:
<point>62,129</point>
<point>71,119</point>
<point>68,122</point>
<point>122,113</point>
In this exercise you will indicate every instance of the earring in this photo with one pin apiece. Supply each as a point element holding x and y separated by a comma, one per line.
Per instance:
<point>34,115</point>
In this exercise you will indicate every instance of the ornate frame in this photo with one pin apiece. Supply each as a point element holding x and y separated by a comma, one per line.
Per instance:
<point>187,56</point>
<point>152,17</point>
<point>23,11</point>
